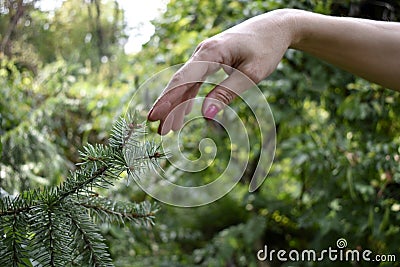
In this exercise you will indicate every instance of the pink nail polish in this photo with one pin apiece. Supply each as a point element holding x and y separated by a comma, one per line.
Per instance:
<point>211,111</point>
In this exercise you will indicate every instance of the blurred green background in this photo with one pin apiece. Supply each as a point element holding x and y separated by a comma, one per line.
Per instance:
<point>65,78</point>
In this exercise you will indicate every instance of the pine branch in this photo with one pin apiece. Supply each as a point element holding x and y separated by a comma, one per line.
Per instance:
<point>126,132</point>
<point>118,212</point>
<point>9,206</point>
<point>13,241</point>
<point>51,237</point>
<point>73,187</point>
<point>55,226</point>
<point>88,243</point>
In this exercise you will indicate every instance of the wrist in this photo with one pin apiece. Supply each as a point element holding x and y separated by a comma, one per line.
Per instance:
<point>295,23</point>
<point>306,28</point>
<point>291,22</point>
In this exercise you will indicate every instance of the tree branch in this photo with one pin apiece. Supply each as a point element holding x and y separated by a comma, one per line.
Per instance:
<point>126,215</point>
<point>6,43</point>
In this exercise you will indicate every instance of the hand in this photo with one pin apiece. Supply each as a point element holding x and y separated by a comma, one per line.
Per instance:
<point>253,48</point>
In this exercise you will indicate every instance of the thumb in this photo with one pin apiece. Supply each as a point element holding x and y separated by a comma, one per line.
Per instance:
<point>224,93</point>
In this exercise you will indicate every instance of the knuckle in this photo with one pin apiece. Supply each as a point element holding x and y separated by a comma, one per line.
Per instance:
<point>224,94</point>
<point>209,44</point>
<point>176,80</point>
<point>208,48</point>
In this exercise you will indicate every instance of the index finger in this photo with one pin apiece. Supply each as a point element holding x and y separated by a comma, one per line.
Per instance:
<point>182,86</point>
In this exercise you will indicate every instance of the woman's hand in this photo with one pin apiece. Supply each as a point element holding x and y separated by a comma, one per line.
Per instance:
<point>370,49</point>
<point>253,48</point>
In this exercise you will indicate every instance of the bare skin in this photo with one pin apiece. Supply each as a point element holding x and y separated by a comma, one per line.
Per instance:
<point>370,49</point>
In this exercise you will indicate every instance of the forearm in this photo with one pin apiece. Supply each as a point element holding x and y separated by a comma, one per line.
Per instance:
<point>370,49</point>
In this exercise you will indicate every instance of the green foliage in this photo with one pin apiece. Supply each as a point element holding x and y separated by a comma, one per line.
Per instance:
<point>335,174</point>
<point>85,32</point>
<point>55,226</point>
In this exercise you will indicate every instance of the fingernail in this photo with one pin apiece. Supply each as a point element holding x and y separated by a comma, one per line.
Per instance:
<point>211,111</point>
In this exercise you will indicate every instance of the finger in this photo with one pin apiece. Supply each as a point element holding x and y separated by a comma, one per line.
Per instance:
<point>159,110</point>
<point>190,100</point>
<point>225,92</point>
<point>184,107</point>
<point>228,69</point>
<point>190,73</point>
<point>168,100</point>
<point>179,114</point>
<point>166,124</point>
<point>189,106</point>
<point>186,79</point>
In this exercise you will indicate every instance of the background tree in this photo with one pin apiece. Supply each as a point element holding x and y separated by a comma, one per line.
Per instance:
<point>336,164</point>
<point>49,109</point>
<point>336,170</point>
<point>55,226</point>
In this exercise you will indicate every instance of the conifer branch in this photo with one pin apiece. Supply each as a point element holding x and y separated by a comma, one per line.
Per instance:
<point>66,191</point>
<point>12,245</point>
<point>55,226</point>
<point>106,211</point>
<point>92,250</point>
<point>15,206</point>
